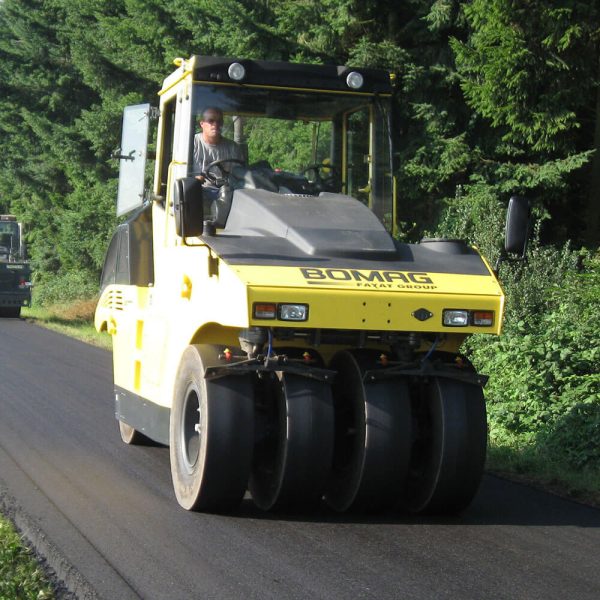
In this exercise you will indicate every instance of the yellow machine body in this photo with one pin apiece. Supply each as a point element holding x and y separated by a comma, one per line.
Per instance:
<point>297,262</point>
<point>152,326</point>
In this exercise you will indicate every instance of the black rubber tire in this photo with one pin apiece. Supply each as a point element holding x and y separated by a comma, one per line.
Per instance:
<point>133,437</point>
<point>292,456</point>
<point>10,312</point>
<point>211,434</point>
<point>372,437</point>
<point>448,456</point>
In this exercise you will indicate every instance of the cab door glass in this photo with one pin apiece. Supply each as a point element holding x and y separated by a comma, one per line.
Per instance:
<point>358,170</point>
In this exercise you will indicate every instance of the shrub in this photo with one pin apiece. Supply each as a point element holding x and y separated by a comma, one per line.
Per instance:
<point>64,288</point>
<point>476,216</point>
<point>544,368</point>
<point>575,437</point>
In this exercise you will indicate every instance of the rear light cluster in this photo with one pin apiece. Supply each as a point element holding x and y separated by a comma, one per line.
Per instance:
<point>465,318</point>
<point>299,312</point>
<point>280,311</point>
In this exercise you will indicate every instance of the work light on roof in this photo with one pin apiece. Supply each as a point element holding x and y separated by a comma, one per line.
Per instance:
<point>236,71</point>
<point>354,80</point>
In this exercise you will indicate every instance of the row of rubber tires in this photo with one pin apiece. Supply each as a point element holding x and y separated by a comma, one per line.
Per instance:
<point>292,440</point>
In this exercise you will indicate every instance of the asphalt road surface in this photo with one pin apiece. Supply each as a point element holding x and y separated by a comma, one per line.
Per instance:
<point>106,518</point>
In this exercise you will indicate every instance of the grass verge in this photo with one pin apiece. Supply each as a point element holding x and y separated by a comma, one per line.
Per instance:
<point>20,575</point>
<point>528,465</point>
<point>75,320</point>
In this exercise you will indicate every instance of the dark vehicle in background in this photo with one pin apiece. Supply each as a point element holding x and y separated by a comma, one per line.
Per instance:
<point>15,273</point>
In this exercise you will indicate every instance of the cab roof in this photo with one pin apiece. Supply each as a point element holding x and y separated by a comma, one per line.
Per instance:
<point>214,69</point>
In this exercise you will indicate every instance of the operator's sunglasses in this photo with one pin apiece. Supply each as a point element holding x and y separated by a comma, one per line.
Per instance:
<point>213,121</point>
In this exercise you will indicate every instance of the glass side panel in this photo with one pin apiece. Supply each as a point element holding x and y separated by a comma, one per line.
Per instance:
<point>110,261</point>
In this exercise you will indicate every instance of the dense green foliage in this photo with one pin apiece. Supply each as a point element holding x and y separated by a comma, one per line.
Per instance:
<point>531,71</point>
<point>545,384</point>
<point>544,387</point>
<point>495,97</point>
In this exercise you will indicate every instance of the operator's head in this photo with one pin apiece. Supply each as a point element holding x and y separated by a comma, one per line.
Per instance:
<point>211,123</point>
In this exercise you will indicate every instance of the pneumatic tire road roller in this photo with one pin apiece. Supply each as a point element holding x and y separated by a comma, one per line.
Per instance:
<point>266,324</point>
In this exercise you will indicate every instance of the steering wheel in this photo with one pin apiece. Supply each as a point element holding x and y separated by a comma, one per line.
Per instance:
<point>213,177</point>
<point>330,181</point>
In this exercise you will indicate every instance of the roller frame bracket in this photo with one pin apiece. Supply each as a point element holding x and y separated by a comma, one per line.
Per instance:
<point>256,365</point>
<point>425,370</point>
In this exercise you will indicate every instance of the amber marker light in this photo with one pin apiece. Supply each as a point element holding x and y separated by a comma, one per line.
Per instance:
<point>264,310</point>
<point>483,318</point>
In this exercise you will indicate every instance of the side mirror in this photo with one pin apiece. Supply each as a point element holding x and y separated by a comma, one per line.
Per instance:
<point>187,207</point>
<point>517,225</point>
<point>132,158</point>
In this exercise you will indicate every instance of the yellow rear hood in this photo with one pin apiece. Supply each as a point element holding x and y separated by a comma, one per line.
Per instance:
<point>369,280</point>
<point>373,299</point>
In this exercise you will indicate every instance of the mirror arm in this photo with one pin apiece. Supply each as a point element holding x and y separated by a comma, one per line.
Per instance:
<point>117,154</point>
<point>505,258</point>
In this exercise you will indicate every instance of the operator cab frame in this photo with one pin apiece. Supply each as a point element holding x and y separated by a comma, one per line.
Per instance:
<point>303,128</point>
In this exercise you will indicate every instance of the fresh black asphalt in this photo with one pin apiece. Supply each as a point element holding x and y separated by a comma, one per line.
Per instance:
<point>105,517</point>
